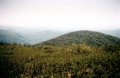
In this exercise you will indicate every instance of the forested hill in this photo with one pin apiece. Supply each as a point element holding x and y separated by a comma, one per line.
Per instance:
<point>88,37</point>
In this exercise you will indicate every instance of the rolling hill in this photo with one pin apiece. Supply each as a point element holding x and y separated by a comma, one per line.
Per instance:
<point>11,37</point>
<point>88,37</point>
<point>32,36</point>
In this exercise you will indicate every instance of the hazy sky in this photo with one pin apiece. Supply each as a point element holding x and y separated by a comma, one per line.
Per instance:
<point>61,14</point>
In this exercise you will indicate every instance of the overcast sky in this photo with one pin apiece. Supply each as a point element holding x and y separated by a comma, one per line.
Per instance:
<point>61,14</point>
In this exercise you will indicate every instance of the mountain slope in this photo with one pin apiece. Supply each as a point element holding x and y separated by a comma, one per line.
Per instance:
<point>11,37</point>
<point>87,37</point>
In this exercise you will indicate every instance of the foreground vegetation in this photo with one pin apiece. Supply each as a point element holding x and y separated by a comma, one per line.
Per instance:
<point>70,61</point>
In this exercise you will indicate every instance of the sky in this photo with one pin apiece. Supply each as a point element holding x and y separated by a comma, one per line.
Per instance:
<point>61,14</point>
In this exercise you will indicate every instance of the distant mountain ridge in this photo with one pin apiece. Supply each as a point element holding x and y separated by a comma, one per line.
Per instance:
<point>27,37</point>
<point>31,36</point>
<point>11,37</point>
<point>88,37</point>
<point>115,33</point>
<point>40,36</point>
